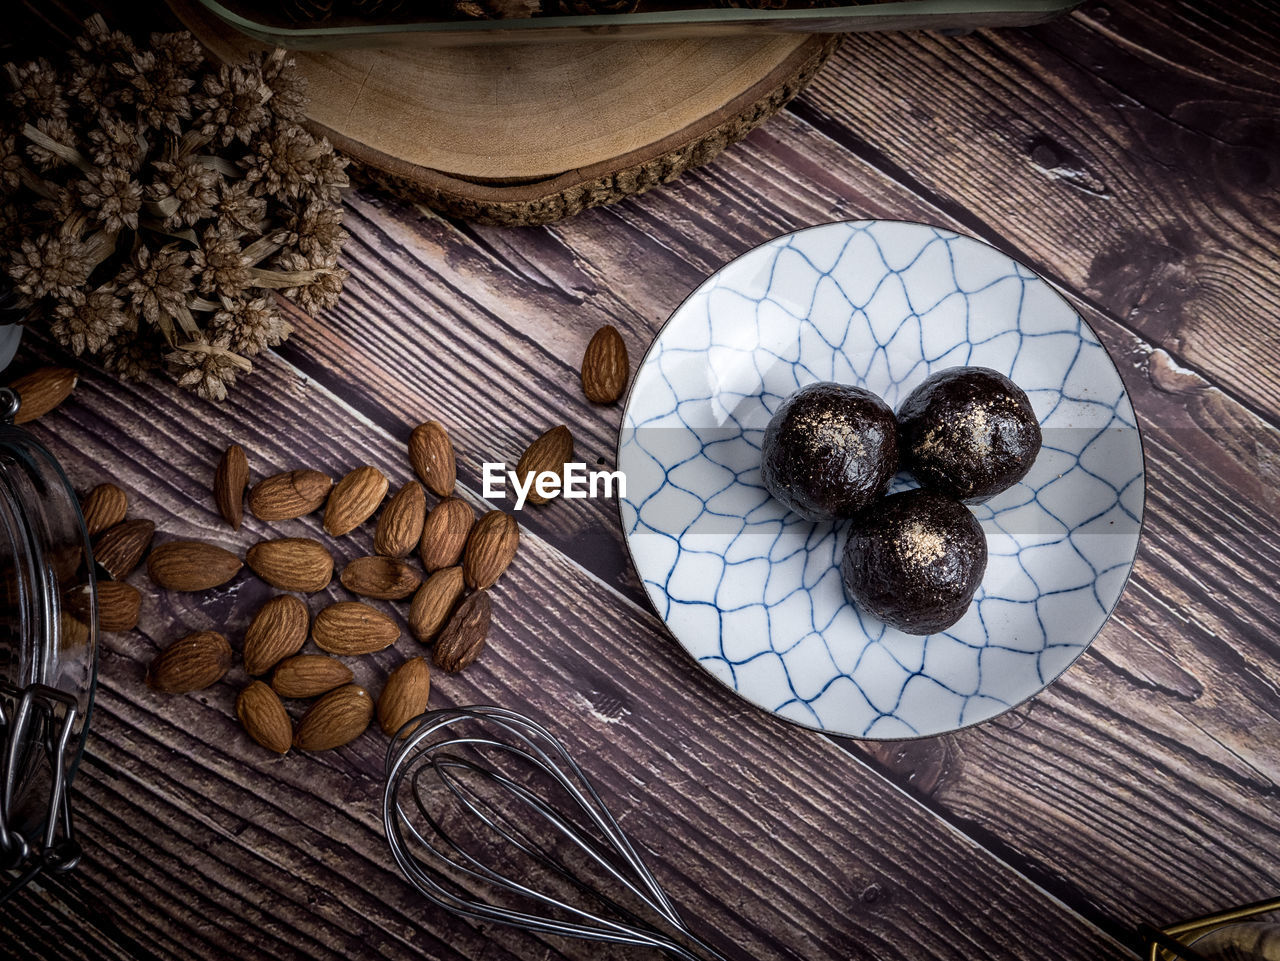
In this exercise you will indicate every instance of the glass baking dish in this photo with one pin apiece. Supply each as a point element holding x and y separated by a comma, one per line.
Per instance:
<point>417,23</point>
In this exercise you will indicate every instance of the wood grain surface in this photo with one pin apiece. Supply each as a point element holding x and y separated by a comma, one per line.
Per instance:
<point>1127,152</point>
<point>518,112</point>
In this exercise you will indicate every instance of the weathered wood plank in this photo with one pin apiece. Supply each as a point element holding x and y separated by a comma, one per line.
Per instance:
<point>62,917</point>
<point>1129,147</point>
<point>206,842</point>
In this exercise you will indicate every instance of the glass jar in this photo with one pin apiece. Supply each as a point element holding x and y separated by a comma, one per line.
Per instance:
<point>422,24</point>
<point>48,654</point>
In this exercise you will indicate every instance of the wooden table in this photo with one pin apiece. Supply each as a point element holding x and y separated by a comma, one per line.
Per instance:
<point>1130,152</point>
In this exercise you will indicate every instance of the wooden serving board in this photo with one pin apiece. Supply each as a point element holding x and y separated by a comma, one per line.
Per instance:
<point>527,134</point>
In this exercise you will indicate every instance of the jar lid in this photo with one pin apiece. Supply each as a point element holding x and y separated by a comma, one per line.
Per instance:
<point>48,640</point>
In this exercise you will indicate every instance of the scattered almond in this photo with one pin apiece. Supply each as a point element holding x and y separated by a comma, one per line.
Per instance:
<point>605,366</point>
<point>431,454</point>
<point>434,602</point>
<point>405,695</point>
<point>386,578</point>
<point>194,662</point>
<point>76,600</point>
<point>444,535</point>
<point>463,637</point>
<point>548,454</point>
<point>293,493</point>
<point>307,675</point>
<point>41,391</point>
<point>352,627</point>
<point>119,549</point>
<point>229,482</point>
<point>118,606</point>
<point>456,551</point>
<point>73,633</point>
<point>191,566</point>
<point>264,717</point>
<point>336,719</point>
<point>292,563</point>
<point>400,526</point>
<point>490,549</point>
<point>354,499</point>
<point>103,507</point>
<point>278,630</point>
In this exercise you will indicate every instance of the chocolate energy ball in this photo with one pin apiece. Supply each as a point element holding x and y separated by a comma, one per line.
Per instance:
<point>829,451</point>
<point>914,560</point>
<point>969,432</point>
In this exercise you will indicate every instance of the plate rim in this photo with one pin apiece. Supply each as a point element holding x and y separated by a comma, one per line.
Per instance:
<point>626,537</point>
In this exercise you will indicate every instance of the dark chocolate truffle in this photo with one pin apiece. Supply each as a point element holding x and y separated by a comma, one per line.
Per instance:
<point>829,451</point>
<point>969,432</point>
<point>914,560</point>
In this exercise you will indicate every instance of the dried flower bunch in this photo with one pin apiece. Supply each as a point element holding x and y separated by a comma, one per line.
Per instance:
<point>150,203</point>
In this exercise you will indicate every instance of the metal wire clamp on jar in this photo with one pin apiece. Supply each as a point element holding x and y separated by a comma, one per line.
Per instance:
<point>48,655</point>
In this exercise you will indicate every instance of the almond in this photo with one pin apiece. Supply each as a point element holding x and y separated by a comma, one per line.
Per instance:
<point>400,526</point>
<point>103,507</point>
<point>605,366</point>
<point>293,493</point>
<point>118,606</point>
<point>336,719</point>
<point>191,566</point>
<point>434,602</point>
<point>386,578</point>
<point>119,549</point>
<point>73,633</point>
<point>431,454</point>
<point>278,630</point>
<point>444,535</point>
<point>194,662</point>
<point>306,675</point>
<point>41,391</point>
<point>229,482</point>
<point>354,500</point>
<point>292,563</point>
<point>264,717</point>
<point>548,454</point>
<point>490,549</point>
<point>405,695</point>
<point>463,637</point>
<point>351,627</point>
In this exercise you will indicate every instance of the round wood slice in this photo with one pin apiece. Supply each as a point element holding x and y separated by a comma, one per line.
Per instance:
<point>529,133</point>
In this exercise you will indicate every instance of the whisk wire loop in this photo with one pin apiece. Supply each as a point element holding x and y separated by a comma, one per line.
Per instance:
<point>522,728</point>
<point>524,841</point>
<point>509,830</point>
<point>516,760</point>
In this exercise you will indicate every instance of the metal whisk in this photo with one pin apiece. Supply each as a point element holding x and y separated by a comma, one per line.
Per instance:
<point>483,807</point>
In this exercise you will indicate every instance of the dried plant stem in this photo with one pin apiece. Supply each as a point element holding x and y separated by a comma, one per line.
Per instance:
<point>69,154</point>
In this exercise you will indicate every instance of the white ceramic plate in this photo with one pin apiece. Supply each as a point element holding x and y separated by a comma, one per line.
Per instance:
<point>753,592</point>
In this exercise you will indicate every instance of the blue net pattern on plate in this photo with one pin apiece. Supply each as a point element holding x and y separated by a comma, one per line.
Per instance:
<point>754,592</point>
